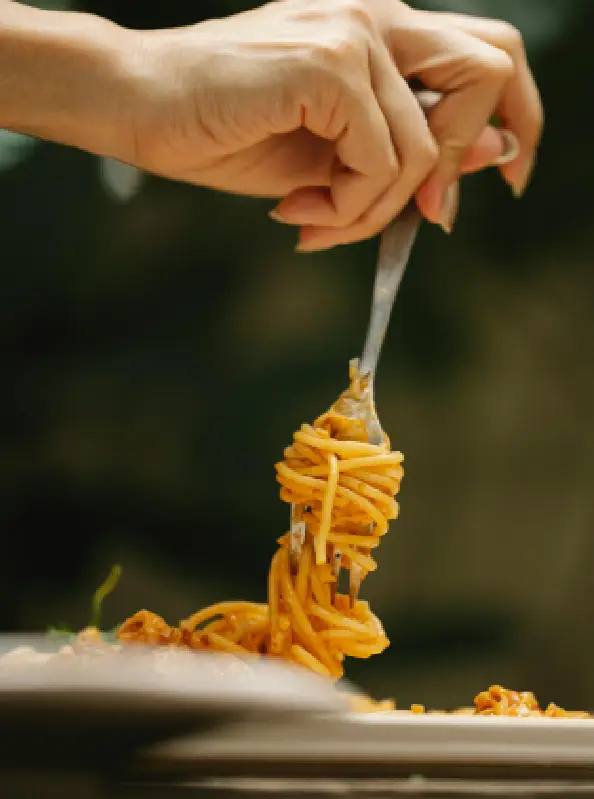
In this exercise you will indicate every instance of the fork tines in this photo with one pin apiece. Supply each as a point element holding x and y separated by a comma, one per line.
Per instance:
<point>296,535</point>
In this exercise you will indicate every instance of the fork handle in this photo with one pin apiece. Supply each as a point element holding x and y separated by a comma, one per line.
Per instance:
<point>395,246</point>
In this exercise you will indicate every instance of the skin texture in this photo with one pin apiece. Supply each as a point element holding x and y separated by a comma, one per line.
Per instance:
<point>307,101</point>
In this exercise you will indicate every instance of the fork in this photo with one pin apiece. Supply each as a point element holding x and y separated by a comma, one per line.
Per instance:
<point>395,246</point>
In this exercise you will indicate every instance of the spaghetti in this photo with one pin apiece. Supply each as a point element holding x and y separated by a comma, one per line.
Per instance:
<point>496,701</point>
<point>345,489</point>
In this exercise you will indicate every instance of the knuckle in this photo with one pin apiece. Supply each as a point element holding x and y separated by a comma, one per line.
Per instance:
<point>453,149</point>
<point>357,14</point>
<point>335,51</point>
<point>344,219</point>
<point>509,36</point>
<point>389,170</point>
<point>346,212</point>
<point>347,39</point>
<point>497,66</point>
<point>420,159</point>
<point>427,154</point>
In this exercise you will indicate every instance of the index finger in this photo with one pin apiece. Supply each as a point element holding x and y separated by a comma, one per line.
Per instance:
<point>520,107</point>
<point>365,163</point>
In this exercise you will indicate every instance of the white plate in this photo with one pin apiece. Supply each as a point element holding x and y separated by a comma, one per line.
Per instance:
<point>393,738</point>
<point>95,707</point>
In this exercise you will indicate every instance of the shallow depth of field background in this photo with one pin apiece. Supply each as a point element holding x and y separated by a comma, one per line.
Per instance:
<point>160,343</point>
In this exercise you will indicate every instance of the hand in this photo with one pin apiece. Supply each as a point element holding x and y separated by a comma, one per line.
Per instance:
<point>307,100</point>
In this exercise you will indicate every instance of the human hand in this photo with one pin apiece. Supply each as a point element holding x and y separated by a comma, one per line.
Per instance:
<point>308,101</point>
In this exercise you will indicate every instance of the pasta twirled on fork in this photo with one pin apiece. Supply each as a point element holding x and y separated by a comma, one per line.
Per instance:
<point>346,488</point>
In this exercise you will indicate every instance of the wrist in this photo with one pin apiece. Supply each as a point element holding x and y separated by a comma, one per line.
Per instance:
<point>67,77</point>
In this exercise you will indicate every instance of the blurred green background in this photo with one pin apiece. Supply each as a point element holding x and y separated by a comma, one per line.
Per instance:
<point>160,343</point>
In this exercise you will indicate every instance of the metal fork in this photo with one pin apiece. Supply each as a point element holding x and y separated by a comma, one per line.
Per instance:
<point>396,243</point>
<point>395,246</point>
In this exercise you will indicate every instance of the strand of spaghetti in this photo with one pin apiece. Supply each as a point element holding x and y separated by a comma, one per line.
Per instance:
<point>362,611</point>
<point>341,506</point>
<point>363,503</point>
<point>303,452</point>
<point>284,622</point>
<point>380,459</point>
<point>363,650</point>
<point>320,590</point>
<point>290,497</point>
<point>225,645</point>
<point>341,490</point>
<point>326,573</point>
<point>354,540</point>
<point>377,625</point>
<point>314,430</point>
<point>222,609</point>
<point>300,620</point>
<point>388,484</point>
<point>349,528</point>
<point>342,448</point>
<point>369,492</point>
<point>374,461</point>
<point>214,626</point>
<point>347,644</point>
<point>242,629</point>
<point>336,636</point>
<point>327,505</point>
<point>305,658</point>
<point>360,558</point>
<point>283,470</point>
<point>339,620</point>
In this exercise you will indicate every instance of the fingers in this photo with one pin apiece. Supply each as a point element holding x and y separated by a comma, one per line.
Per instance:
<point>417,155</point>
<point>520,107</point>
<point>494,147</point>
<point>355,96</point>
<point>471,75</point>
<point>483,74</point>
<point>344,111</point>
<point>365,198</point>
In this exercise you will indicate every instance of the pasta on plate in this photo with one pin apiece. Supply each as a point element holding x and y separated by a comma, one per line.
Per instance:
<point>344,488</point>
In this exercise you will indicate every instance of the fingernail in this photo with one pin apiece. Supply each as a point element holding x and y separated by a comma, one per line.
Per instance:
<point>310,242</point>
<point>449,207</point>
<point>522,179</point>
<point>303,247</point>
<point>274,214</point>
<point>511,148</point>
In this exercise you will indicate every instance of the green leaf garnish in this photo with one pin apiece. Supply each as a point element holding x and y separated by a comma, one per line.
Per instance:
<point>60,633</point>
<point>64,634</point>
<point>104,590</point>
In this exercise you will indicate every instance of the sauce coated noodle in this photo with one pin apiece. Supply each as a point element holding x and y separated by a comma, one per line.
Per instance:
<point>346,488</point>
